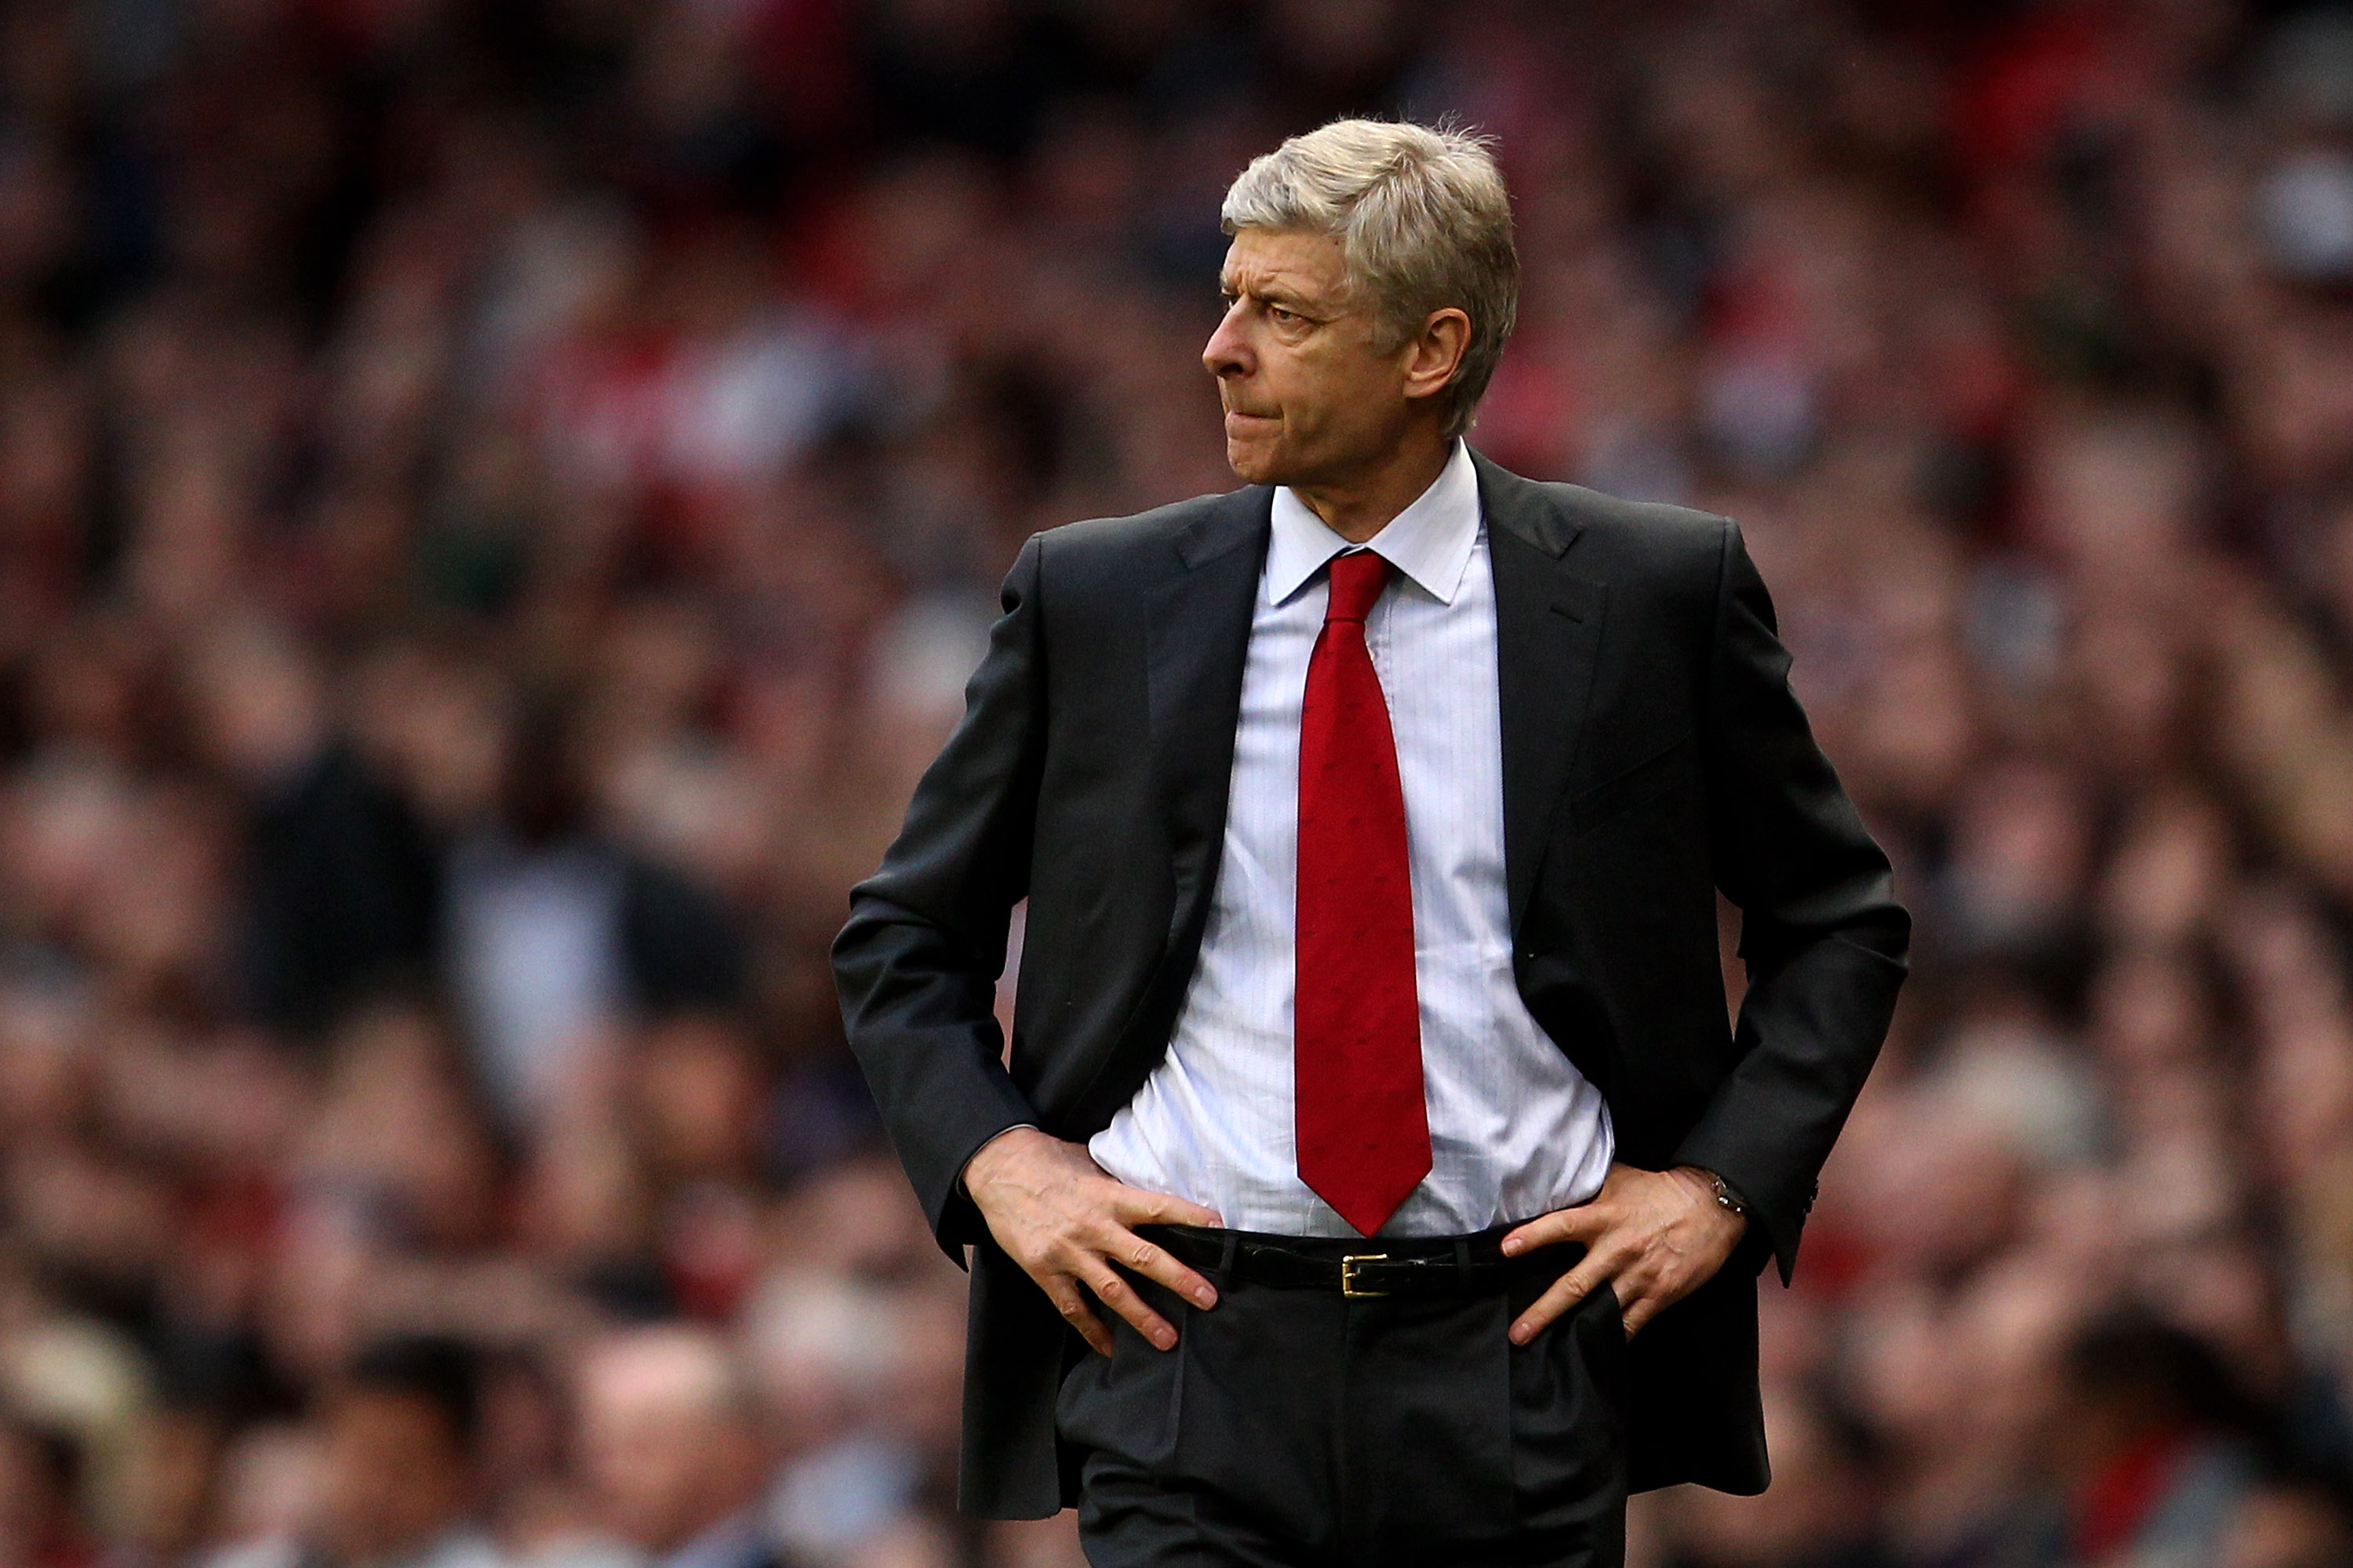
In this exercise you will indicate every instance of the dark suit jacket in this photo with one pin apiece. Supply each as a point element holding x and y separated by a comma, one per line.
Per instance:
<point>1652,754</point>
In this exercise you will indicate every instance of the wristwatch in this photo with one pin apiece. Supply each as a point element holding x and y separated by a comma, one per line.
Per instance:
<point>1727,1197</point>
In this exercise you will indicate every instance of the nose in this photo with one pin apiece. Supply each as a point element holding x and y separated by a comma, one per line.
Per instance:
<point>1228,351</point>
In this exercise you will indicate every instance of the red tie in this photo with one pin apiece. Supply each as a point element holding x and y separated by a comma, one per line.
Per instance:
<point>1364,1132</point>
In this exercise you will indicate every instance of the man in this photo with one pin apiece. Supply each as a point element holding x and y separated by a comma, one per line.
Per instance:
<point>397,1487</point>
<point>340,884</point>
<point>1371,819</point>
<point>671,1444</point>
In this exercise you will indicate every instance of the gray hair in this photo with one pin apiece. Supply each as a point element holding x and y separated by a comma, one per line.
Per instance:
<point>1423,223</point>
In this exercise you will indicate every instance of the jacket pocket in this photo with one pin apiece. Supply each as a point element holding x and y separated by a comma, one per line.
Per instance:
<point>1597,803</point>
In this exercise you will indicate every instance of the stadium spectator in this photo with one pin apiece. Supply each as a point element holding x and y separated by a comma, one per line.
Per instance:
<point>672,1449</point>
<point>395,1479</point>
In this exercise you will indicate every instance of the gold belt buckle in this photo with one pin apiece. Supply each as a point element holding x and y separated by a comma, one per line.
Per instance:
<point>1348,1275</point>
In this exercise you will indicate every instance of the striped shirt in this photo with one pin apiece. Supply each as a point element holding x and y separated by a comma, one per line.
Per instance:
<point>1514,1129</point>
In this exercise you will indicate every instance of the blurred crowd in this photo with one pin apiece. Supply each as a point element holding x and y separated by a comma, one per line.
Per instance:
<point>498,502</point>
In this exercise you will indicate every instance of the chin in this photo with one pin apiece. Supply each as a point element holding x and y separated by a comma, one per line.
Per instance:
<point>1254,463</point>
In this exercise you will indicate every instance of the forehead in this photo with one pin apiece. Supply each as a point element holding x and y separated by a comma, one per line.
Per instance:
<point>1285,261</point>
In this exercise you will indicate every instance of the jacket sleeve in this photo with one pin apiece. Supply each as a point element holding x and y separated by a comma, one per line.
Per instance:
<point>1821,936</point>
<point>916,967</point>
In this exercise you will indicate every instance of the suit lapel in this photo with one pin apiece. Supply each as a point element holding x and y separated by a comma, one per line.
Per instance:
<point>1548,623</point>
<point>1549,636</point>
<point>1197,640</point>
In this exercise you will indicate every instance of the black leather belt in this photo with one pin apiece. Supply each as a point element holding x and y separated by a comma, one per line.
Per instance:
<point>1359,1267</point>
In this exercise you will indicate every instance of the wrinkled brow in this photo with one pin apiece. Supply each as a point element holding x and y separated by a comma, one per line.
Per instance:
<point>1277,288</point>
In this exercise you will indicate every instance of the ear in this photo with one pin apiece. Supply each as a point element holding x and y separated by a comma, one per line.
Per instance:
<point>1435,353</point>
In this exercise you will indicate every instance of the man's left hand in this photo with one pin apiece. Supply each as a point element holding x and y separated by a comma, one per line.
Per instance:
<point>1654,1236</point>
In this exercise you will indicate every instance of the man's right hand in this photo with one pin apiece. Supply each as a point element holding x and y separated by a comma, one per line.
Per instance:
<point>1066,1220</point>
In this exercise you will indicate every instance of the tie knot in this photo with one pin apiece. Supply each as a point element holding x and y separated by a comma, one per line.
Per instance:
<point>1357,579</point>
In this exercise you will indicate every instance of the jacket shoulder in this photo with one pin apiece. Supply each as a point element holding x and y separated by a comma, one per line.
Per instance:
<point>1163,528</point>
<point>1659,519</point>
<point>1651,534</point>
<point>1655,528</point>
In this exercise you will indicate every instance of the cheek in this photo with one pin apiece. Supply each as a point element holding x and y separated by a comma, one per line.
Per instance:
<point>1338,391</point>
<point>1303,388</point>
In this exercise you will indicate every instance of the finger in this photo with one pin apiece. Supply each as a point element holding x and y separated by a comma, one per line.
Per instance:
<point>1121,1296</point>
<point>1640,1310</point>
<point>1156,1263</point>
<point>1136,1206</point>
<point>1564,1293</point>
<point>1068,1300</point>
<point>1584,1223</point>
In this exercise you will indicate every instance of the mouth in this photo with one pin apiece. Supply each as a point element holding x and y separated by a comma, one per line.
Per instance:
<point>1237,418</point>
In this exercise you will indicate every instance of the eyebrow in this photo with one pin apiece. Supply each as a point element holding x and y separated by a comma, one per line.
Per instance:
<point>1275,294</point>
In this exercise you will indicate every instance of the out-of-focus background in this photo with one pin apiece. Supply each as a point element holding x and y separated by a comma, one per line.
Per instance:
<point>498,501</point>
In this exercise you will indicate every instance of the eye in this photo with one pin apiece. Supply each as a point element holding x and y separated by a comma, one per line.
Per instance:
<point>1281,316</point>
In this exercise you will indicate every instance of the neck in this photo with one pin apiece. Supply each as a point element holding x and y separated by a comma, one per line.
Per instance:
<point>1360,506</point>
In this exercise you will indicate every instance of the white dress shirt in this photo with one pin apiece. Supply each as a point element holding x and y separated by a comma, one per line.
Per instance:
<point>1514,1129</point>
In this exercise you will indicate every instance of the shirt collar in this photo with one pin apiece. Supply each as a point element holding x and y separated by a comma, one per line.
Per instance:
<point>1429,541</point>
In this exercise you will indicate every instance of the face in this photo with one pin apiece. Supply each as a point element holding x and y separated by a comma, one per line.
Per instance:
<point>663,1468</point>
<point>1308,400</point>
<point>396,1476</point>
<point>644,1463</point>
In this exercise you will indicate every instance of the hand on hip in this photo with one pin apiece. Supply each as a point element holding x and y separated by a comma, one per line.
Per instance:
<point>1654,1236</point>
<point>1066,1222</point>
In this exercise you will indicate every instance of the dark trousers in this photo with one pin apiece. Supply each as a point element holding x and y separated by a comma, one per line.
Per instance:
<point>1295,1427</point>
